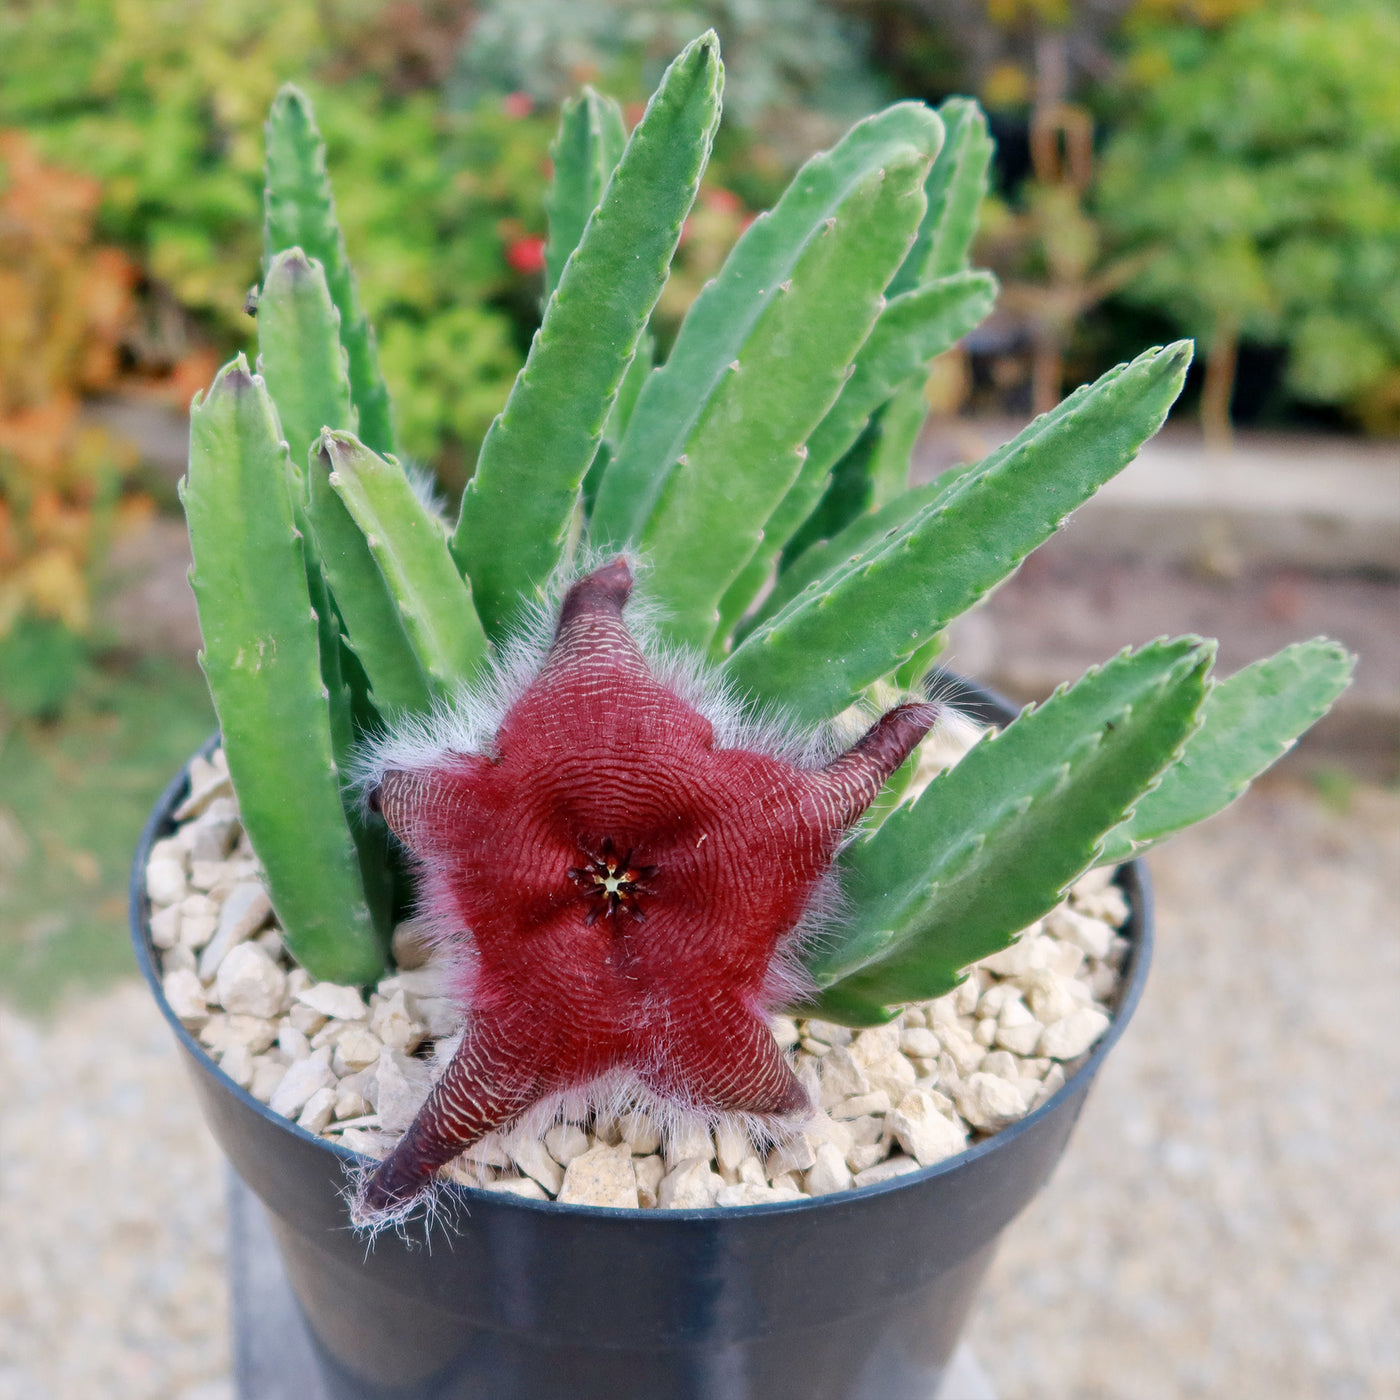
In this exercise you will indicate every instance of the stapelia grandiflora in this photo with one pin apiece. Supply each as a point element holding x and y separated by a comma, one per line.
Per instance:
<point>622,889</point>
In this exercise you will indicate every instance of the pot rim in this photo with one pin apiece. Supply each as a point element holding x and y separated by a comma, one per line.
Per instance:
<point>971,698</point>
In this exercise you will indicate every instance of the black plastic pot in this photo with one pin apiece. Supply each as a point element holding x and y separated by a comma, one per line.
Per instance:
<point>855,1296</point>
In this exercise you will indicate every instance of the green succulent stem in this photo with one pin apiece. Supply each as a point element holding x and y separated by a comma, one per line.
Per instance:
<point>868,614</point>
<point>721,318</point>
<point>760,471</point>
<point>409,546</point>
<point>517,509</point>
<point>929,892</point>
<point>1247,724</point>
<point>746,449</point>
<point>300,213</point>
<point>585,153</point>
<point>263,660</point>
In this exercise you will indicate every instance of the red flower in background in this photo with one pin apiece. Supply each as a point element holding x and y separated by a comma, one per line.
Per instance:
<point>526,255</point>
<point>517,104</point>
<point>721,200</point>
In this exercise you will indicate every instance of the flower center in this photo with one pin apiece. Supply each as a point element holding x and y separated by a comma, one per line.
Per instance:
<point>611,882</point>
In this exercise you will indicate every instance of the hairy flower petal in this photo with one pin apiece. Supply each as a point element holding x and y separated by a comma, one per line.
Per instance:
<point>623,885</point>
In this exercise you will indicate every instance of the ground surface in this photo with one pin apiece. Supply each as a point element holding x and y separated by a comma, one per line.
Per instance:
<point>73,799</point>
<point>1226,1223</point>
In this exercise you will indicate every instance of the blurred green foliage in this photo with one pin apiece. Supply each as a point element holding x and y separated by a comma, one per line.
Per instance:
<point>72,804</point>
<point>1249,154</point>
<point>440,149</point>
<point>796,71</point>
<point>1261,162</point>
<point>42,662</point>
<point>163,100</point>
<point>1254,152</point>
<point>64,304</point>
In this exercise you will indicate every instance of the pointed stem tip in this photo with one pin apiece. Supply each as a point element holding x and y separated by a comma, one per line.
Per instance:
<point>605,589</point>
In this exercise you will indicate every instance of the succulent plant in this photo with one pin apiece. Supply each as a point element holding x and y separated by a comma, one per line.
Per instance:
<point>627,844</point>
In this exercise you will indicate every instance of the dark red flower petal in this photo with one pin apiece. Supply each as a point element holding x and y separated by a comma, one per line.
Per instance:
<point>623,886</point>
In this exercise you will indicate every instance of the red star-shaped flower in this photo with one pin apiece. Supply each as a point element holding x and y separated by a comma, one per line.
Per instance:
<point>623,887</point>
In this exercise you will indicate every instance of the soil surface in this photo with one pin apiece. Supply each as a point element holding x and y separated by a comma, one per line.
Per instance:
<point>1226,1221</point>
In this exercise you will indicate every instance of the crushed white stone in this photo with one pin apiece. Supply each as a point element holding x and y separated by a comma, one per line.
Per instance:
<point>518,1186</point>
<point>319,1110</point>
<point>890,1168</point>
<point>649,1172</point>
<point>690,1184</point>
<point>691,1139</point>
<point>748,1193</point>
<point>829,1171</point>
<point>922,1131</point>
<point>300,1082</point>
<point>334,1002</point>
<point>640,1133</point>
<point>533,1159</point>
<point>243,911</point>
<point>249,983</point>
<point>391,1022</point>
<point>565,1141</point>
<point>1066,1039</point>
<point>185,993</point>
<point>356,1066</point>
<point>400,1086</point>
<point>989,1103</point>
<point>602,1176</point>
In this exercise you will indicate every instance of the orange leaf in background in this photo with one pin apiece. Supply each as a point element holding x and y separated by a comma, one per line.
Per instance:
<point>53,521</point>
<point>38,436</point>
<point>188,376</point>
<point>133,512</point>
<point>106,291</point>
<point>57,205</point>
<point>65,306</point>
<point>9,540</point>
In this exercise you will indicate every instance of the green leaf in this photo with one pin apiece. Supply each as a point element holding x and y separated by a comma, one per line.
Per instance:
<point>517,509</point>
<point>853,542</point>
<point>911,330</point>
<point>992,843</point>
<point>304,367</point>
<point>956,186</point>
<point>641,366</point>
<point>300,213</point>
<point>262,657</point>
<point>719,321</point>
<point>873,472</point>
<point>1247,724</point>
<point>866,615</point>
<point>747,447</point>
<point>912,674</point>
<point>407,542</point>
<point>585,152</point>
<point>900,423</point>
<point>374,626</point>
<point>300,355</point>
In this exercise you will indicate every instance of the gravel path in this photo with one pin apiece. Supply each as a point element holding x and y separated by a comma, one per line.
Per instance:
<point>111,1212</point>
<point>1227,1221</point>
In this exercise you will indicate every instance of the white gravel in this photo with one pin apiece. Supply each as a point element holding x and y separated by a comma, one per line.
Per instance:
<point>945,1072</point>
<point>1226,1221</point>
<point>111,1212</point>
